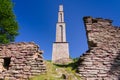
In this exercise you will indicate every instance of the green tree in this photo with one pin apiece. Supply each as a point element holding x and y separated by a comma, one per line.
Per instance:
<point>8,23</point>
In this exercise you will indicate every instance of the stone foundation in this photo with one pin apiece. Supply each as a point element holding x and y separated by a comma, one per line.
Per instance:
<point>60,52</point>
<point>20,61</point>
<point>102,60</point>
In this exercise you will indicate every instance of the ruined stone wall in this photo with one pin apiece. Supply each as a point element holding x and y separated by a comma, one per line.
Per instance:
<point>25,61</point>
<point>102,60</point>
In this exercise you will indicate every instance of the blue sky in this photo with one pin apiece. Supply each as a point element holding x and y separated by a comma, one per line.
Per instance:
<point>37,20</point>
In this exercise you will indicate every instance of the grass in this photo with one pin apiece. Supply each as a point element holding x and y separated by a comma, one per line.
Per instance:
<point>58,72</point>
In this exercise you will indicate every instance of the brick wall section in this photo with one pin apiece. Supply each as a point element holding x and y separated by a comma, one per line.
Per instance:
<point>102,60</point>
<point>25,61</point>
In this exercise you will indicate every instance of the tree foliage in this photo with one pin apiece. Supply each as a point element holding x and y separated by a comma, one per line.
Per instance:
<point>8,23</point>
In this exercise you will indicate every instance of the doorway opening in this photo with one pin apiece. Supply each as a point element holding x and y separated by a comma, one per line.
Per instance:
<point>6,63</point>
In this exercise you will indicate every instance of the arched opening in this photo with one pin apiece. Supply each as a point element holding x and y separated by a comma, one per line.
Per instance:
<point>6,63</point>
<point>61,17</point>
<point>61,33</point>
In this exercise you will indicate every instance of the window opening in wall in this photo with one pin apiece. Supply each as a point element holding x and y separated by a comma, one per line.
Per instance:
<point>6,63</point>
<point>61,16</point>
<point>61,33</point>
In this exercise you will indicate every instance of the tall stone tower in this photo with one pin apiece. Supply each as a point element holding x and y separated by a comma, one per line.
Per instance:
<point>60,51</point>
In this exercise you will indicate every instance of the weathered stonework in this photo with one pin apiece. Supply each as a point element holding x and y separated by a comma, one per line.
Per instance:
<point>102,60</point>
<point>20,61</point>
<point>61,53</point>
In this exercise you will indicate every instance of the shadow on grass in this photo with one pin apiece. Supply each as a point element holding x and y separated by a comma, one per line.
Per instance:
<point>74,65</point>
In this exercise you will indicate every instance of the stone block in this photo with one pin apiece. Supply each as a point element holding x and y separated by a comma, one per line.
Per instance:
<point>93,78</point>
<point>1,77</point>
<point>18,76</point>
<point>93,71</point>
<point>19,67</point>
<point>102,75</point>
<point>27,68</point>
<point>87,63</point>
<point>14,72</point>
<point>34,71</point>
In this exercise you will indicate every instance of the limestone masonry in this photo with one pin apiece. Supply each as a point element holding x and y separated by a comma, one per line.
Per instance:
<point>102,60</point>
<point>60,52</point>
<point>20,61</point>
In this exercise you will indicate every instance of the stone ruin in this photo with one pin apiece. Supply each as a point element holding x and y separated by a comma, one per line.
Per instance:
<point>20,61</point>
<point>102,60</point>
